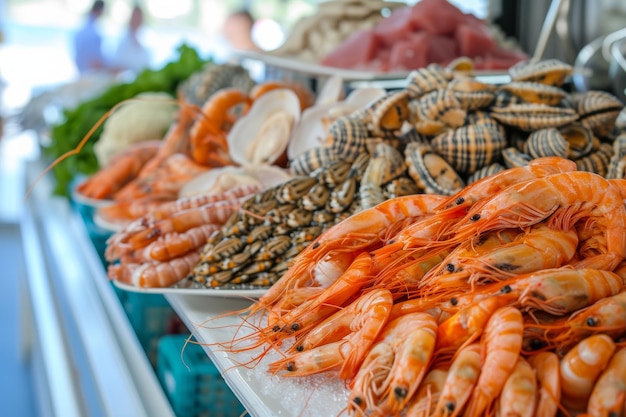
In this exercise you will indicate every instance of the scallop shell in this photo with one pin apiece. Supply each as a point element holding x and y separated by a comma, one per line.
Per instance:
<point>332,91</point>
<point>221,179</point>
<point>263,134</point>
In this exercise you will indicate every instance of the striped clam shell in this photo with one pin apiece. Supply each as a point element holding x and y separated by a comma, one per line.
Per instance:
<point>438,110</point>
<point>617,164</point>
<point>387,114</point>
<point>580,139</point>
<point>485,172</point>
<point>333,173</point>
<point>347,136</point>
<point>471,93</point>
<point>597,161</point>
<point>424,80</point>
<point>385,164</point>
<point>546,142</point>
<point>469,148</point>
<point>533,92</point>
<point>484,118</point>
<point>292,190</point>
<point>547,71</point>
<point>529,117</point>
<point>431,172</point>
<point>312,159</point>
<point>504,98</point>
<point>598,110</point>
<point>400,186</point>
<point>513,157</point>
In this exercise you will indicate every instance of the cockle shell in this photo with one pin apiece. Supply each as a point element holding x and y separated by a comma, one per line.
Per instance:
<point>263,134</point>
<point>432,173</point>
<point>532,116</point>
<point>548,71</point>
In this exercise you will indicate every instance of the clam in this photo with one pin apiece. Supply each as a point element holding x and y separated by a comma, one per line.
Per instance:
<point>580,139</point>
<point>471,93</point>
<point>432,173</point>
<point>263,134</point>
<point>548,71</point>
<point>598,110</point>
<point>546,142</point>
<point>534,92</point>
<point>617,165</point>
<point>437,111</point>
<point>218,180</point>
<point>485,172</point>
<point>597,161</point>
<point>513,157</point>
<point>469,148</point>
<point>424,80</point>
<point>532,116</point>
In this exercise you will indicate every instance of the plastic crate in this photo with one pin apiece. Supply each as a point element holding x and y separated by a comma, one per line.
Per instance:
<point>193,385</point>
<point>150,316</point>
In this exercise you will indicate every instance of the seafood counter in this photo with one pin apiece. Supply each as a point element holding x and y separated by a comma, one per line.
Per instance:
<point>452,247</point>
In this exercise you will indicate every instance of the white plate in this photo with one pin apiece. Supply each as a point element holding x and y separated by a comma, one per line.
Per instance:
<point>107,225</point>
<point>211,292</point>
<point>87,201</point>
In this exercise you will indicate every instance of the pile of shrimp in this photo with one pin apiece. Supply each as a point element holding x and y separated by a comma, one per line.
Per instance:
<point>196,142</point>
<point>161,248</point>
<point>504,299</point>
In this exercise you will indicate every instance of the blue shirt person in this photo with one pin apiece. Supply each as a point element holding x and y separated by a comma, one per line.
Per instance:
<point>88,54</point>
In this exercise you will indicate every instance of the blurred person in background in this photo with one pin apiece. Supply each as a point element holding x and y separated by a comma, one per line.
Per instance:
<point>131,54</point>
<point>88,55</point>
<point>237,30</point>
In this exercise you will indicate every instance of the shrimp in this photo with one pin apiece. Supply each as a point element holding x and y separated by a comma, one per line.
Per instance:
<point>358,232</point>
<point>427,395</point>
<point>488,186</point>
<point>564,290</point>
<point>124,212</point>
<point>368,384</point>
<point>530,202</point>
<point>369,314</point>
<point>538,248</point>
<point>154,274</point>
<point>546,366</point>
<point>121,169</point>
<point>519,393</point>
<point>609,392</point>
<point>581,366</point>
<point>460,381</point>
<point>173,245</point>
<point>412,359</point>
<point>501,345</point>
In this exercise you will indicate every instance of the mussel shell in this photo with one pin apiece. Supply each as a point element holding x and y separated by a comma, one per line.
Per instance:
<point>546,142</point>
<point>431,172</point>
<point>469,148</point>
<point>312,159</point>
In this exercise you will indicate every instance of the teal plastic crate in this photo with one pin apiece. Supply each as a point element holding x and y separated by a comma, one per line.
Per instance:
<point>193,385</point>
<point>150,316</point>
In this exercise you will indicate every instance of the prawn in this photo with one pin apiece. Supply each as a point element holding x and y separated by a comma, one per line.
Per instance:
<point>460,381</point>
<point>531,202</point>
<point>428,393</point>
<point>154,274</point>
<point>546,366</point>
<point>369,315</point>
<point>609,391</point>
<point>501,345</point>
<point>519,393</point>
<point>368,384</point>
<point>581,366</point>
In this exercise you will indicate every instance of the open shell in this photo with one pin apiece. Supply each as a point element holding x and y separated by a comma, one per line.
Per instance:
<point>262,135</point>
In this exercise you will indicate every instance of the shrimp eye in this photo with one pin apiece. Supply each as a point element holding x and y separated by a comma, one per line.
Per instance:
<point>315,245</point>
<point>400,392</point>
<point>295,326</point>
<point>454,301</point>
<point>391,241</point>
<point>358,401</point>
<point>450,406</point>
<point>459,201</point>
<point>299,348</point>
<point>276,328</point>
<point>591,321</point>
<point>475,217</point>
<point>536,344</point>
<point>506,289</point>
<point>450,267</point>
<point>291,366</point>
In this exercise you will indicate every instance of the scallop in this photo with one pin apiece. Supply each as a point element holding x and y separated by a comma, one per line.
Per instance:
<point>262,135</point>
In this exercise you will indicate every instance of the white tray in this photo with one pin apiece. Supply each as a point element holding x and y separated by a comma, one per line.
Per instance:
<point>248,294</point>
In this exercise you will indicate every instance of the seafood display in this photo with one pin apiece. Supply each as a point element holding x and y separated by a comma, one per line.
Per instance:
<point>506,297</point>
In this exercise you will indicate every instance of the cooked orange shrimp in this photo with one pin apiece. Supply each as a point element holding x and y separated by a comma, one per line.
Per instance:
<point>462,377</point>
<point>173,245</point>
<point>216,213</point>
<point>581,366</point>
<point>467,324</point>
<point>538,248</point>
<point>357,232</point>
<point>425,399</point>
<point>501,344</point>
<point>368,384</point>
<point>530,202</point>
<point>121,169</point>
<point>565,290</point>
<point>609,391</point>
<point>546,366</point>
<point>370,314</point>
<point>124,212</point>
<point>412,359</point>
<point>154,274</point>
<point>488,186</point>
<point>519,393</point>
